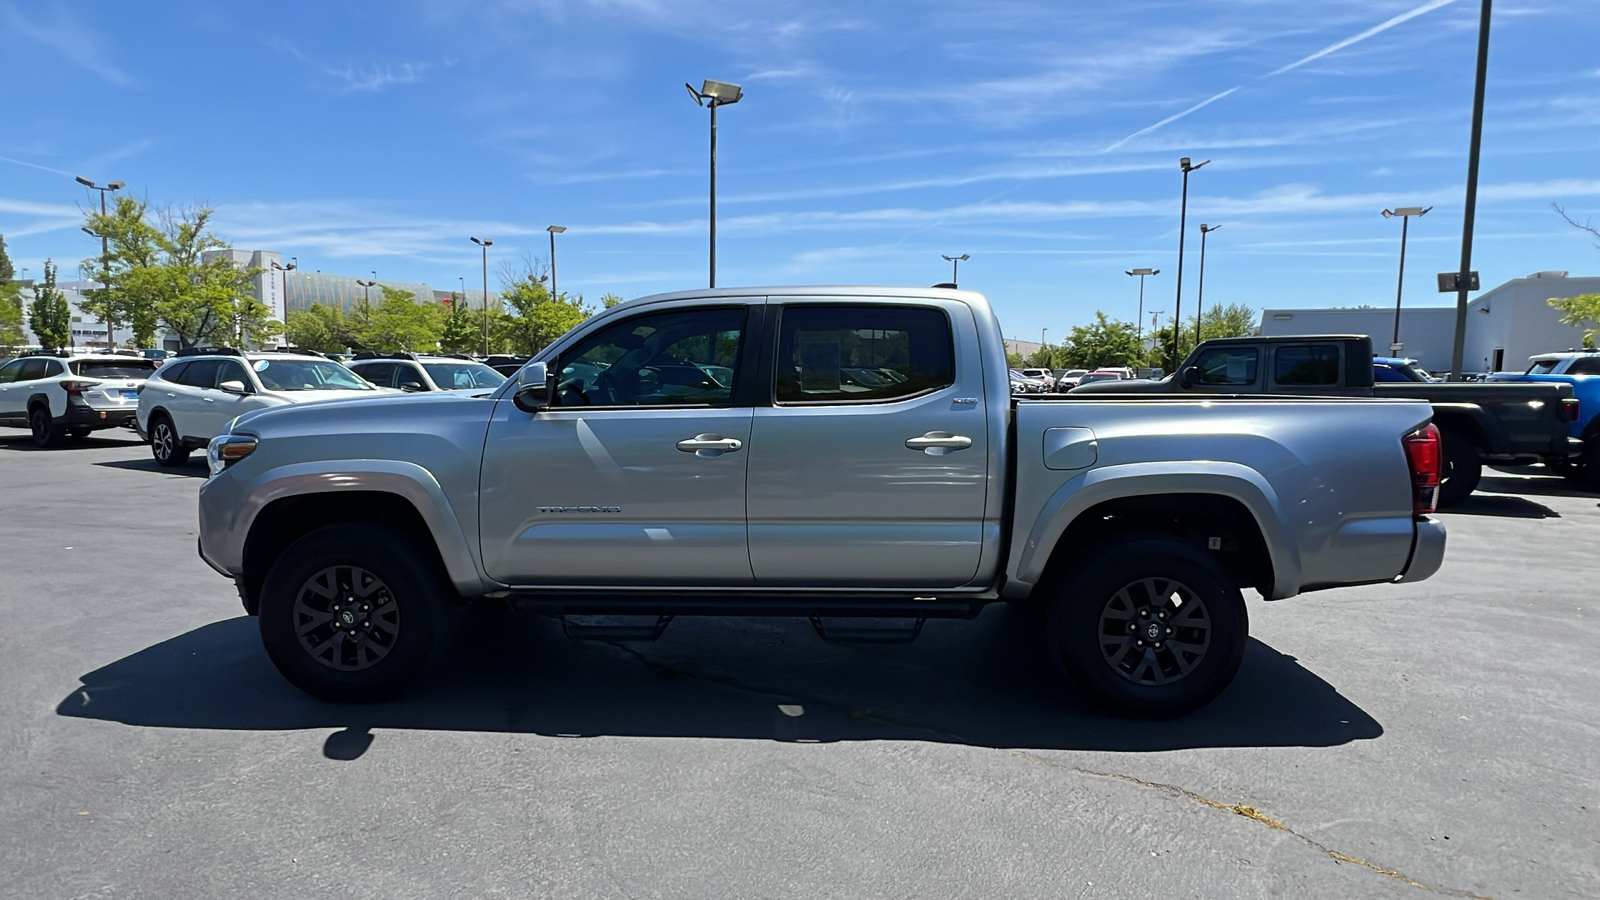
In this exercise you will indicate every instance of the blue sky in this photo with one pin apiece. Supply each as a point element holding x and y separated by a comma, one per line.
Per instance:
<point>1041,138</point>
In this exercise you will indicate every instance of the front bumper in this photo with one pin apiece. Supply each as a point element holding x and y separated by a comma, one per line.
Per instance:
<point>1427,550</point>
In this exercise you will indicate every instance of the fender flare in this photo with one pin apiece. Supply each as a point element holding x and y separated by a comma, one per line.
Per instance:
<point>1226,479</point>
<point>409,481</point>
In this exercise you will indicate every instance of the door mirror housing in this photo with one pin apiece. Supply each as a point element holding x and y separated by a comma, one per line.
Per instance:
<point>1190,376</point>
<point>411,387</point>
<point>233,387</point>
<point>533,387</point>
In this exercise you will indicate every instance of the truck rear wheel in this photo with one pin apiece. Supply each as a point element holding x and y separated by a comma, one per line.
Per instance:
<point>1149,627</point>
<point>353,612</point>
<point>1462,468</point>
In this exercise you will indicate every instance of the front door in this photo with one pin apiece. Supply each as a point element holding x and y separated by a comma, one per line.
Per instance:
<point>870,468</point>
<point>636,474</point>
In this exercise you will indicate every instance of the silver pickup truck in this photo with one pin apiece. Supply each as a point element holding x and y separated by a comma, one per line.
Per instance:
<point>851,455</point>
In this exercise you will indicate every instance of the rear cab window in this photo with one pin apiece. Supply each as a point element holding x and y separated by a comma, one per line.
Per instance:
<point>1306,365</point>
<point>862,354</point>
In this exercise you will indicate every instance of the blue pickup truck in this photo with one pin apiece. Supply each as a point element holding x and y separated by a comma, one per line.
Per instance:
<point>1581,370</point>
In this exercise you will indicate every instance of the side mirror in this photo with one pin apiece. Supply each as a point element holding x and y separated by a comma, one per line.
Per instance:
<point>1190,376</point>
<point>533,388</point>
<point>233,387</point>
<point>411,387</point>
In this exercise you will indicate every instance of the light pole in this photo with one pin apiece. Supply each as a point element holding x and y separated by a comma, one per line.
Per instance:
<point>285,270</point>
<point>105,254</point>
<point>1463,278</point>
<point>1138,320</point>
<point>1155,316</point>
<point>1405,213</point>
<point>1200,299</point>
<point>955,266</point>
<point>1183,226</point>
<point>486,243</point>
<point>554,230</point>
<point>719,93</point>
<point>366,289</point>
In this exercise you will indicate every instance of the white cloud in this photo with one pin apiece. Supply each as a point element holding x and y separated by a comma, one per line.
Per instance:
<point>69,38</point>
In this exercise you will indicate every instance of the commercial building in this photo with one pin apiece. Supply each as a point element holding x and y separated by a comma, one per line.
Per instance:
<point>1505,325</point>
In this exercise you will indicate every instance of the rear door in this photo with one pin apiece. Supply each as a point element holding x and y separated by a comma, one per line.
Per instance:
<point>191,397</point>
<point>869,465</point>
<point>1316,367</point>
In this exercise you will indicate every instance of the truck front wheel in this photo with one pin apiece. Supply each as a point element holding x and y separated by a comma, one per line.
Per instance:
<point>1148,626</point>
<point>353,612</point>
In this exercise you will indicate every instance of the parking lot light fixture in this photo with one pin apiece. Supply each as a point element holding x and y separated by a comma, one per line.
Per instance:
<point>955,266</point>
<point>485,243</point>
<point>1183,226</point>
<point>1138,320</point>
<point>554,230</point>
<point>1404,213</point>
<point>1200,296</point>
<point>105,252</point>
<point>715,94</point>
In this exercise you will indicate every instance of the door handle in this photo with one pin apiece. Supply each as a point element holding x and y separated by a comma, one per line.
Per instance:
<point>938,443</point>
<point>708,446</point>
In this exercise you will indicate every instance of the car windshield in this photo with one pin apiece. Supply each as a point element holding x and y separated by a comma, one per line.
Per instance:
<point>112,368</point>
<point>307,375</point>
<point>1542,367</point>
<point>1098,376</point>
<point>453,376</point>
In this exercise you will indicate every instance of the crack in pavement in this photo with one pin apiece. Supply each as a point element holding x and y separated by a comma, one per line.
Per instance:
<point>1250,812</point>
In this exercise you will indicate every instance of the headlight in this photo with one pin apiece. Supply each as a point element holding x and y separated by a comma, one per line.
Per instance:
<point>227,449</point>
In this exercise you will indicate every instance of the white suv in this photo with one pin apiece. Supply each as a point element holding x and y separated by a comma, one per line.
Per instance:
<point>192,398</point>
<point>411,372</point>
<point>69,396</point>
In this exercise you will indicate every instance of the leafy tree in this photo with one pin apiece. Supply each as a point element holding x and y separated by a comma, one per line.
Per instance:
<point>251,322</point>
<point>535,318</point>
<point>1233,320</point>
<point>609,300</point>
<point>1582,311</point>
<point>131,289</point>
<point>11,316</point>
<point>401,323</point>
<point>7,273</point>
<point>318,327</point>
<point>462,331</point>
<point>1104,342</point>
<point>49,315</point>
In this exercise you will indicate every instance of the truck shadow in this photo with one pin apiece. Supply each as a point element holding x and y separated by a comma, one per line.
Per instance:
<point>986,683</point>
<point>22,439</point>
<point>193,468</point>
<point>1501,505</point>
<point>1549,486</point>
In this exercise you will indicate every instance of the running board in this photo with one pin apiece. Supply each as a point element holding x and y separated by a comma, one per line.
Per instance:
<point>802,604</point>
<point>868,631</point>
<point>578,629</point>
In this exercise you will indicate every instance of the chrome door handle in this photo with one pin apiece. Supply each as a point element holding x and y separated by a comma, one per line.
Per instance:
<point>709,445</point>
<point>938,443</point>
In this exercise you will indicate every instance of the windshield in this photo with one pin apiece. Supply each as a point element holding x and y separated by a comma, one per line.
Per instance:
<point>307,375</point>
<point>463,375</point>
<point>112,368</point>
<point>1098,376</point>
<point>1542,367</point>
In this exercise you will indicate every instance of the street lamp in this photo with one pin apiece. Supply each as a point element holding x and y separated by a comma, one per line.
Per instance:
<point>1200,300</point>
<point>1183,226</point>
<point>486,243</point>
<point>554,230</point>
<point>955,266</point>
<point>286,270</point>
<point>1405,213</point>
<point>105,253</point>
<point>719,93</point>
<point>1138,320</point>
<point>366,289</point>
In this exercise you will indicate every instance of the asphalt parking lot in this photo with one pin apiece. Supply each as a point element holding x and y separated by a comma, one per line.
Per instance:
<point>1389,741</point>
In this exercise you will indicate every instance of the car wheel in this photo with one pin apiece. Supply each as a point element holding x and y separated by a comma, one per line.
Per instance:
<point>46,433</point>
<point>1585,473</point>
<point>1148,626</point>
<point>353,612</point>
<point>1462,468</point>
<point>165,444</point>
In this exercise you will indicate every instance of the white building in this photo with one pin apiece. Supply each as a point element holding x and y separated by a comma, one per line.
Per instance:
<point>1505,325</point>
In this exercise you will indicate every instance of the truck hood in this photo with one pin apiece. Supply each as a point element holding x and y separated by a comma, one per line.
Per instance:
<point>1131,386</point>
<point>359,415</point>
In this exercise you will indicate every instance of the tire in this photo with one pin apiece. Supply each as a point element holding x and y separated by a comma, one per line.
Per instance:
<point>396,603</point>
<point>1585,473</point>
<point>46,433</point>
<point>1462,468</point>
<point>1133,580</point>
<point>165,444</point>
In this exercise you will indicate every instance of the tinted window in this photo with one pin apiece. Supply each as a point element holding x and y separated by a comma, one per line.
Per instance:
<point>171,371</point>
<point>1588,365</point>
<point>380,374</point>
<point>307,375</point>
<point>682,358</point>
<point>108,368</point>
<point>457,375</point>
<point>1310,364</point>
<point>53,367</point>
<point>31,369</point>
<point>1543,367</point>
<point>1387,373</point>
<point>1227,365</point>
<point>407,376</point>
<point>834,354</point>
<point>10,371</point>
<point>202,373</point>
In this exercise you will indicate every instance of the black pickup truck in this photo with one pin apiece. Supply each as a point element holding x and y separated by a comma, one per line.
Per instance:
<point>1508,424</point>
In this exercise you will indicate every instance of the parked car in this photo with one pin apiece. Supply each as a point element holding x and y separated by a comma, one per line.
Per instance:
<point>1133,526</point>
<point>1041,380</point>
<point>1100,375</point>
<point>192,398</point>
<point>1019,382</point>
<point>1391,368</point>
<point>1506,424</point>
<point>58,395</point>
<point>412,372</point>
<point>506,365</point>
<point>1069,379</point>
<point>1580,369</point>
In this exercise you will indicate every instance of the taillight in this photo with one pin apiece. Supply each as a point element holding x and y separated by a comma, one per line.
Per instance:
<point>76,388</point>
<point>1569,405</point>
<point>1424,451</point>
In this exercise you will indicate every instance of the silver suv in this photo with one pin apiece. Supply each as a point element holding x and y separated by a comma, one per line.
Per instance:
<point>192,399</point>
<point>414,373</point>
<point>62,396</point>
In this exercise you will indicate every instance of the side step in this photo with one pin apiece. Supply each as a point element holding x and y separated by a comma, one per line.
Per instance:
<point>614,628</point>
<point>868,631</point>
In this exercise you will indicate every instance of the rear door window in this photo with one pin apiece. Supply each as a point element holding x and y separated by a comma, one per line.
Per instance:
<point>1589,365</point>
<point>380,374</point>
<point>1228,365</point>
<point>1307,364</point>
<point>858,354</point>
<point>32,370</point>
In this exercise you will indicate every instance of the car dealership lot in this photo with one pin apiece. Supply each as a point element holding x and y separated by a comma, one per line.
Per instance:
<point>1380,741</point>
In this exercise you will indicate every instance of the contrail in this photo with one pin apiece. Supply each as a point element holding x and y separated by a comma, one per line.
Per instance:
<point>1335,47</point>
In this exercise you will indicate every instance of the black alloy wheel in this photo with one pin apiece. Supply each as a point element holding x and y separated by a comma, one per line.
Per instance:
<point>1148,626</point>
<point>165,445</point>
<point>46,433</point>
<point>353,612</point>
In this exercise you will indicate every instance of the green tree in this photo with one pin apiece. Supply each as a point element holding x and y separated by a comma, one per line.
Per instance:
<point>130,288</point>
<point>318,327</point>
<point>535,318</point>
<point>608,300</point>
<point>1582,311</point>
<point>399,322</point>
<point>11,315</point>
<point>1233,320</point>
<point>1104,342</point>
<point>49,315</point>
<point>462,331</point>
<point>7,273</point>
